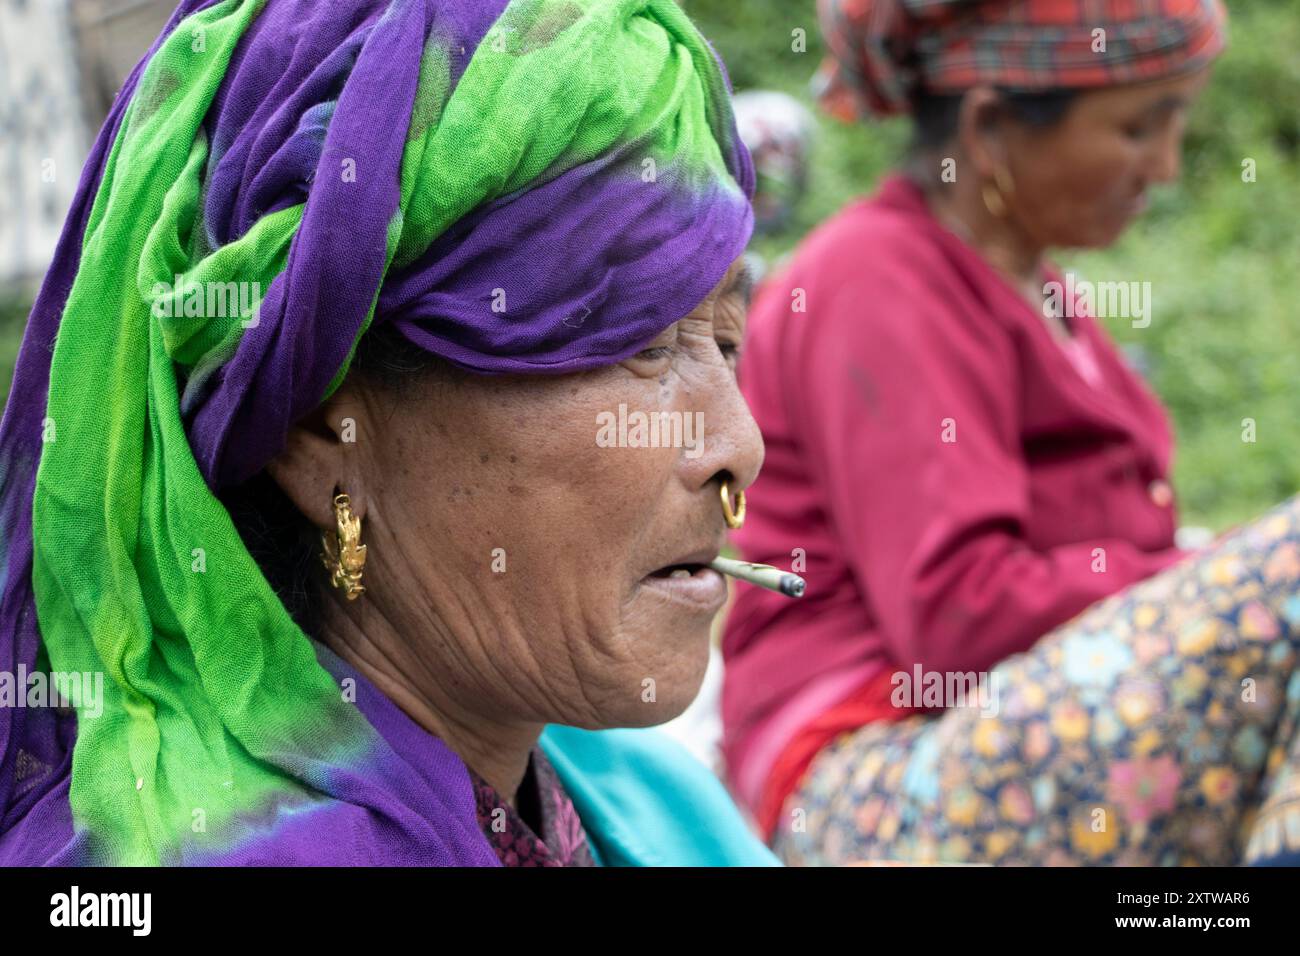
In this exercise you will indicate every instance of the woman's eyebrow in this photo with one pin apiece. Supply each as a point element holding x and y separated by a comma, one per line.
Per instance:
<point>743,283</point>
<point>1167,105</point>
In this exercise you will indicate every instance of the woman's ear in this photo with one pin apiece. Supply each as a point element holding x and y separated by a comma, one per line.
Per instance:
<point>314,465</point>
<point>980,130</point>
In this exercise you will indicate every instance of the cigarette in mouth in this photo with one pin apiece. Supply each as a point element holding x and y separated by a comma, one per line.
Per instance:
<point>764,575</point>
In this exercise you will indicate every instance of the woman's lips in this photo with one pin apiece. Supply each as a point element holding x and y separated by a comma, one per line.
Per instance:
<point>703,589</point>
<point>1137,205</point>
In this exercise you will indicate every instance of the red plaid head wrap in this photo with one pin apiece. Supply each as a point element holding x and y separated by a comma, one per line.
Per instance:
<point>883,51</point>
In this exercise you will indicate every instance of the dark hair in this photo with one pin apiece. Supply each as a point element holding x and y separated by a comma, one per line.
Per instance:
<point>285,544</point>
<point>934,115</point>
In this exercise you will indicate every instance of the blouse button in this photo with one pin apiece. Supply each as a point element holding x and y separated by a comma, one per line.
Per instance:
<point>1162,494</point>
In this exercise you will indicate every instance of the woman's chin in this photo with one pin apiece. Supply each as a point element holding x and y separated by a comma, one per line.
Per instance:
<point>654,713</point>
<point>660,684</point>
<point>1109,233</point>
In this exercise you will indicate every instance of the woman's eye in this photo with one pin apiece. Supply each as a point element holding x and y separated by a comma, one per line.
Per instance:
<point>1145,128</point>
<point>655,353</point>
<point>730,351</point>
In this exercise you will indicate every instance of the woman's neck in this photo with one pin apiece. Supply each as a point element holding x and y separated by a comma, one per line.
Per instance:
<point>416,682</point>
<point>960,207</point>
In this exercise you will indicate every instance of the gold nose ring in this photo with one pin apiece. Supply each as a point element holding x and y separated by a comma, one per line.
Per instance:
<point>735,517</point>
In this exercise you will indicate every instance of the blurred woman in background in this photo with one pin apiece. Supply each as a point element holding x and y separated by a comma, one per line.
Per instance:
<point>959,461</point>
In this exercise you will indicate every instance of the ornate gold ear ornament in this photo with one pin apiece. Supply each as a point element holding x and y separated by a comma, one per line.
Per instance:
<point>345,557</point>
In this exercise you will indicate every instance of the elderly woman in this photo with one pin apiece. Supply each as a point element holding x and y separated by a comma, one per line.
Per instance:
<point>339,558</point>
<point>963,462</point>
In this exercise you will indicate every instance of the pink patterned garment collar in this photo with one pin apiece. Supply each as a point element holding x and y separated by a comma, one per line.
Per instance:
<point>561,842</point>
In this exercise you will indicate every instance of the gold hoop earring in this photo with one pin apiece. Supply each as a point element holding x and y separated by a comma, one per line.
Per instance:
<point>1002,176</point>
<point>993,201</point>
<point>994,192</point>
<point>734,517</point>
<point>345,557</point>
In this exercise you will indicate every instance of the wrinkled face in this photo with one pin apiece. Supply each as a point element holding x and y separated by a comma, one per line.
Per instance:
<point>1080,182</point>
<point>532,517</point>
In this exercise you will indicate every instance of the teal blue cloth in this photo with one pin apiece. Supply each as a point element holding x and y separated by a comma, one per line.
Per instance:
<point>645,800</point>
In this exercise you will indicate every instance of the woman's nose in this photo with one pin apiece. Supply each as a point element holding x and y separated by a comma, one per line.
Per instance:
<point>732,441</point>
<point>1166,164</point>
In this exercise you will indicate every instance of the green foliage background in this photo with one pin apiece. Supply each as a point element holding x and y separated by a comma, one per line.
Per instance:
<point>1223,255</point>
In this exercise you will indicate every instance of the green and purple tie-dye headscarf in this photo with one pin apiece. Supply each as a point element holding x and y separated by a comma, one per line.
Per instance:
<point>526,186</point>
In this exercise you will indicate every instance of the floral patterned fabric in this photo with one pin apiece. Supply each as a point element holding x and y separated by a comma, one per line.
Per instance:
<point>561,842</point>
<point>1158,727</point>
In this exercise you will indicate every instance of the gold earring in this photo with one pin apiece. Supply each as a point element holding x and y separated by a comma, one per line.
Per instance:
<point>1002,185</point>
<point>346,557</point>
<point>1002,176</point>
<point>734,517</point>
